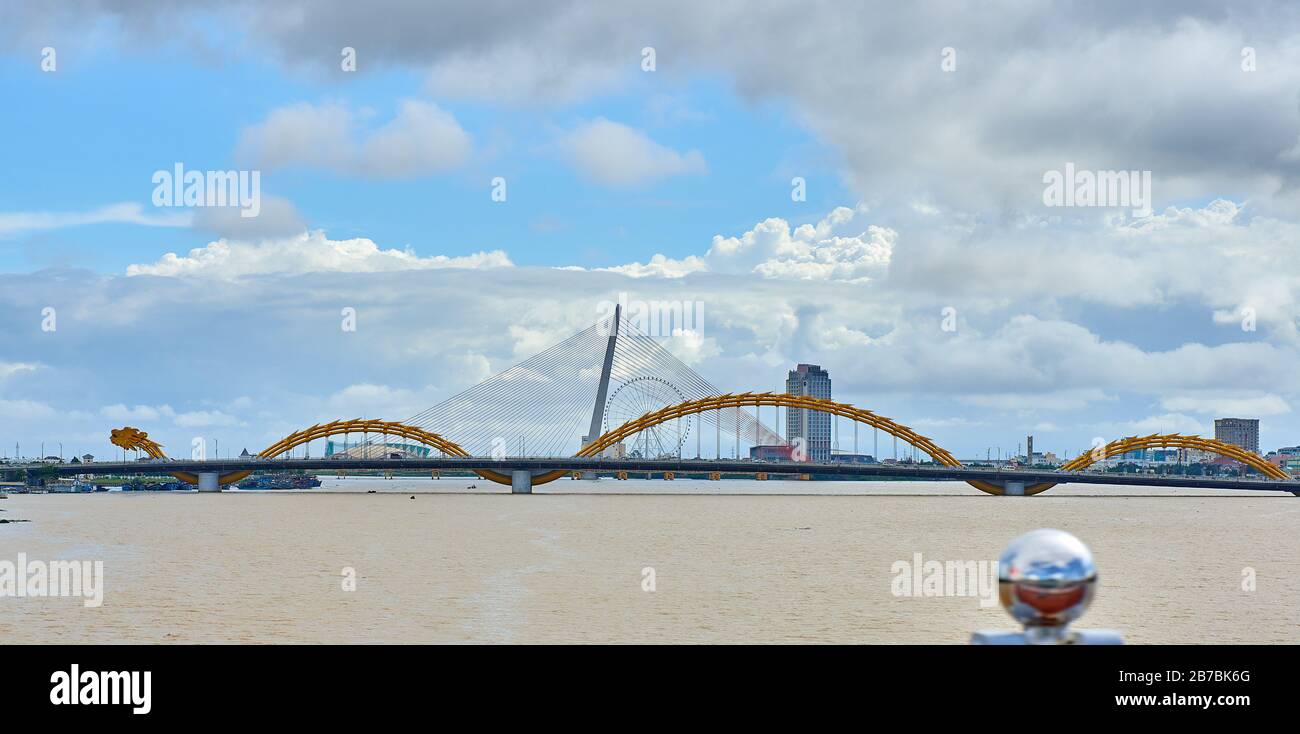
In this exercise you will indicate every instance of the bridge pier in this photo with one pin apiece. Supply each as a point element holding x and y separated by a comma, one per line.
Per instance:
<point>209,481</point>
<point>521,481</point>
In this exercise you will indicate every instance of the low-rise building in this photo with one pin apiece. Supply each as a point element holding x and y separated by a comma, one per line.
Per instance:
<point>778,452</point>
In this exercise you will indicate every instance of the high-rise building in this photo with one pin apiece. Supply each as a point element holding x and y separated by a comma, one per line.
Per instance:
<point>1243,432</point>
<point>813,426</point>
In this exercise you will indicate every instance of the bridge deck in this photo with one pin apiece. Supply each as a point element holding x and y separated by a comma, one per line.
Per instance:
<point>683,466</point>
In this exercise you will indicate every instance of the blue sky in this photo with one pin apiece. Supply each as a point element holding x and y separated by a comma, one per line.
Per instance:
<point>924,197</point>
<point>95,131</point>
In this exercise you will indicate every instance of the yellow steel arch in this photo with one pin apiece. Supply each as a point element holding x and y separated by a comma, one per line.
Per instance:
<point>744,400</point>
<point>1174,440</point>
<point>1165,440</point>
<point>391,428</point>
<point>358,425</point>
<point>133,438</point>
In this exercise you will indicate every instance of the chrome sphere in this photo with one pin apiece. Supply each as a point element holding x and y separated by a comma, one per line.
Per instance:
<point>1046,578</point>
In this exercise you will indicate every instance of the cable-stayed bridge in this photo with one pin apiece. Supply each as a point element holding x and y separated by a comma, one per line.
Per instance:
<point>556,402</point>
<point>611,399</point>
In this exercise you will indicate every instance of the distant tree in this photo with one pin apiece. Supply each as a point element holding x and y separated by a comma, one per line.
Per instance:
<point>41,475</point>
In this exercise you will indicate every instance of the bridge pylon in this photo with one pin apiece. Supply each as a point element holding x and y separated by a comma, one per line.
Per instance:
<point>521,481</point>
<point>209,481</point>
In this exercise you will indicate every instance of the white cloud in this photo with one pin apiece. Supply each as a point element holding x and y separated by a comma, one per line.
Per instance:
<point>952,422</point>
<point>1217,213</point>
<point>138,413</point>
<point>8,369</point>
<point>827,250</point>
<point>661,267</point>
<point>614,154</point>
<point>277,217</point>
<point>808,252</point>
<point>692,347</point>
<point>372,401</point>
<point>125,213</point>
<point>1165,423</point>
<point>517,75</point>
<point>422,138</point>
<point>1226,404</point>
<point>1216,258</point>
<point>307,252</point>
<point>26,412</point>
<point>206,419</point>
<point>1056,400</point>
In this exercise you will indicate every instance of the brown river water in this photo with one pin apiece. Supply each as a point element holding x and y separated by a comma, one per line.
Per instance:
<point>779,562</point>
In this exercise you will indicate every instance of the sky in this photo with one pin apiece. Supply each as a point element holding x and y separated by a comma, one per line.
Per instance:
<point>862,186</point>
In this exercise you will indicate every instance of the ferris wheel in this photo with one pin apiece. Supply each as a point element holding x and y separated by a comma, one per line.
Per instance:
<point>642,395</point>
